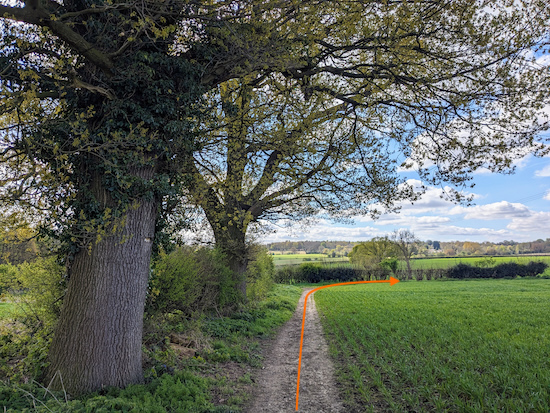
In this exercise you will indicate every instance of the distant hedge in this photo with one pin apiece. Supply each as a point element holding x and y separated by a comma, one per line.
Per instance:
<point>315,273</point>
<point>504,270</point>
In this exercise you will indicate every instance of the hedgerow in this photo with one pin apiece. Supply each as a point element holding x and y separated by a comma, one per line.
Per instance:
<point>315,273</point>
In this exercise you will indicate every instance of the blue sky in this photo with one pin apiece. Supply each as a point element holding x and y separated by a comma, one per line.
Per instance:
<point>507,207</point>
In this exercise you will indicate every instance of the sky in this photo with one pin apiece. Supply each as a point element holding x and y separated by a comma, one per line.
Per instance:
<point>506,207</point>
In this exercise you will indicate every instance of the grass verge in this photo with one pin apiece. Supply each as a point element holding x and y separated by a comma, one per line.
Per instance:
<point>218,378</point>
<point>461,346</point>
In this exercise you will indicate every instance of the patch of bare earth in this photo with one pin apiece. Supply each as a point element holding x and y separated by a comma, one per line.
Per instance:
<point>275,391</point>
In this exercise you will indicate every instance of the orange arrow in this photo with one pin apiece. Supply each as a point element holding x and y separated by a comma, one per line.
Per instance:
<point>392,281</point>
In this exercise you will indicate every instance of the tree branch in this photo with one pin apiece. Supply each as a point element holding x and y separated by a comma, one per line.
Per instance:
<point>33,14</point>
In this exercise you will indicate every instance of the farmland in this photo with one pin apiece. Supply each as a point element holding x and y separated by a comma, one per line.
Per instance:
<point>441,346</point>
<point>294,259</point>
<point>417,263</point>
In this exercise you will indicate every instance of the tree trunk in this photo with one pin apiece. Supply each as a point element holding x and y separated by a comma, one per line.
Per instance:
<point>232,242</point>
<point>98,339</point>
<point>409,269</point>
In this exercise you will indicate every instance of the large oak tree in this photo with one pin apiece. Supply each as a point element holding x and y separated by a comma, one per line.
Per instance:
<point>442,88</point>
<point>97,97</point>
<point>101,101</point>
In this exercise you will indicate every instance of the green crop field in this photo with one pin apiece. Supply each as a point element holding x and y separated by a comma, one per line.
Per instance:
<point>294,259</point>
<point>453,346</point>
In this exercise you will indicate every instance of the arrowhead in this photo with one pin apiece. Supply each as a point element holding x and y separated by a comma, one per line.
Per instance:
<point>393,280</point>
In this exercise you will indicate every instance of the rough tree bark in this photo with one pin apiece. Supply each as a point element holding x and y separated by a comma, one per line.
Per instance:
<point>98,340</point>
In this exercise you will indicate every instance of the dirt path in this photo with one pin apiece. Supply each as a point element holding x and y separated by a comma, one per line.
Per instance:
<point>276,385</point>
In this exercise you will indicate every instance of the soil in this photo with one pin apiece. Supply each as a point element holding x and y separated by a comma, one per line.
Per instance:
<point>275,391</point>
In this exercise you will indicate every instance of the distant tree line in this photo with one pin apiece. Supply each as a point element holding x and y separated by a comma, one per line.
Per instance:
<point>423,248</point>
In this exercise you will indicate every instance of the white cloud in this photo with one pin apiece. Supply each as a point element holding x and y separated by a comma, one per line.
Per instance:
<point>432,220</point>
<point>547,196</point>
<point>496,210</point>
<point>325,231</point>
<point>451,230</point>
<point>432,201</point>
<point>537,222</point>
<point>544,172</point>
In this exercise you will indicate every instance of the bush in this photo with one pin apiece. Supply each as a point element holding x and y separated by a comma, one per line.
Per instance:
<point>504,270</point>
<point>260,274</point>
<point>8,274</point>
<point>315,273</point>
<point>311,273</point>
<point>286,275</point>
<point>192,281</point>
<point>37,289</point>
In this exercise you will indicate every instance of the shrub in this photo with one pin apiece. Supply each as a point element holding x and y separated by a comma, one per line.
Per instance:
<point>260,274</point>
<point>37,289</point>
<point>8,274</point>
<point>287,275</point>
<point>192,281</point>
<point>504,270</point>
<point>315,273</point>
<point>311,273</point>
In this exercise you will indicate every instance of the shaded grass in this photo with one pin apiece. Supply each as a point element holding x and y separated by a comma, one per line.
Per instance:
<point>475,346</point>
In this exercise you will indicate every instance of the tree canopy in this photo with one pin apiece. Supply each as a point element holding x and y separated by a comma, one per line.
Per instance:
<point>371,254</point>
<point>429,87</point>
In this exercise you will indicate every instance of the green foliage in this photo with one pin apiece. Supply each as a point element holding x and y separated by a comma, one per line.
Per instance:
<point>504,270</point>
<point>486,262</point>
<point>444,263</point>
<point>370,254</point>
<point>315,273</point>
<point>259,274</point>
<point>191,281</point>
<point>464,346</point>
<point>8,275</point>
<point>390,264</point>
<point>37,291</point>
<point>181,392</point>
<point>39,288</point>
